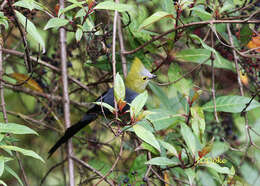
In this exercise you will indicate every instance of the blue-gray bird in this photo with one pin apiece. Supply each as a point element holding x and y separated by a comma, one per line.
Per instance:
<point>136,82</point>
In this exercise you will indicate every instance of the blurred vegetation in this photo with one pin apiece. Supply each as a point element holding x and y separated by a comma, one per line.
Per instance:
<point>204,124</point>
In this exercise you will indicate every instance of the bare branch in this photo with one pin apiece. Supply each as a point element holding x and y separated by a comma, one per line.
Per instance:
<point>189,25</point>
<point>66,100</point>
<point>84,164</point>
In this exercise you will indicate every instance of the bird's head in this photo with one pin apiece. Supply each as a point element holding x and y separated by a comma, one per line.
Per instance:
<point>138,76</point>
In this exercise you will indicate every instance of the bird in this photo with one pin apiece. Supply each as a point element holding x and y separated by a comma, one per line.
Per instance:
<point>135,82</point>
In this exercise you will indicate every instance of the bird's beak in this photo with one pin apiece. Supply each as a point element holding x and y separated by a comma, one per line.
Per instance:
<point>152,76</point>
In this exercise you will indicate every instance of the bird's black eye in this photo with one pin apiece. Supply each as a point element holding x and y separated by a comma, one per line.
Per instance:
<point>144,78</point>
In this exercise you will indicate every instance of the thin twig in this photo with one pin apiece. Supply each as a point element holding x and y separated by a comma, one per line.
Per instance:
<point>3,4</point>
<point>31,120</point>
<point>84,164</point>
<point>27,61</point>
<point>51,169</point>
<point>160,178</point>
<point>248,104</point>
<point>149,169</point>
<point>122,48</point>
<point>115,163</point>
<point>1,83</point>
<point>213,91</point>
<point>66,100</point>
<point>248,137</point>
<point>3,108</point>
<point>184,75</point>
<point>258,134</point>
<point>114,53</point>
<point>189,25</point>
<point>46,64</point>
<point>44,95</point>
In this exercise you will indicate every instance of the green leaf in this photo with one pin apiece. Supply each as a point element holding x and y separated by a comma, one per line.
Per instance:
<point>30,29</point>
<point>146,136</point>
<point>143,123</point>
<point>3,183</point>
<point>245,34</point>
<point>191,175</point>
<point>119,88</point>
<point>29,4</point>
<point>89,26</point>
<point>100,165</point>
<point>226,6</point>
<point>171,149</point>
<point>23,151</point>
<point>219,148</point>
<point>161,161</point>
<point>15,129</point>
<point>249,172</point>
<point>6,159</point>
<point>183,85</point>
<point>2,165</point>
<point>200,55</point>
<point>233,104</point>
<point>80,13</point>
<point>103,104</point>
<point>4,20</point>
<point>163,119</point>
<point>1,137</point>
<point>110,5</point>
<point>168,6</point>
<point>205,178</point>
<point>56,22</point>
<point>201,13</point>
<point>189,138</point>
<point>193,55</point>
<point>153,18</point>
<point>138,166</point>
<point>161,95</point>
<point>70,7</point>
<point>217,167</point>
<point>185,4</point>
<point>206,149</point>
<point>76,2</point>
<point>198,121</point>
<point>138,103</point>
<point>204,45</point>
<point>8,169</point>
<point>150,148</point>
<point>78,34</point>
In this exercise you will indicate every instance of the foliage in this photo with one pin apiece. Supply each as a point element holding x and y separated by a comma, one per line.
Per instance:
<point>5,139</point>
<point>197,124</point>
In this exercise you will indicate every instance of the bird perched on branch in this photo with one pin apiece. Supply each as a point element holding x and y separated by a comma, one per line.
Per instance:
<point>136,82</point>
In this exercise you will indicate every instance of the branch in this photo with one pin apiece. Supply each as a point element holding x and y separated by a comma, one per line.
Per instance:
<point>122,48</point>
<point>3,108</point>
<point>44,95</point>
<point>84,164</point>
<point>248,137</point>
<point>213,91</point>
<point>66,100</point>
<point>114,53</point>
<point>27,61</point>
<point>1,83</point>
<point>189,25</point>
<point>51,169</point>
<point>115,163</point>
<point>46,64</point>
<point>3,4</point>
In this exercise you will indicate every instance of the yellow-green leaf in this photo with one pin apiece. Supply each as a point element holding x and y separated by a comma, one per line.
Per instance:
<point>153,18</point>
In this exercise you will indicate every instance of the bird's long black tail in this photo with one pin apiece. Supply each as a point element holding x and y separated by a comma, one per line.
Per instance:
<point>71,131</point>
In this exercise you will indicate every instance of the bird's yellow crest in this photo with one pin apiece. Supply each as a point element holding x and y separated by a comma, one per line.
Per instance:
<point>138,76</point>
